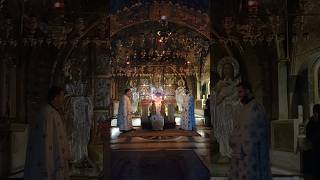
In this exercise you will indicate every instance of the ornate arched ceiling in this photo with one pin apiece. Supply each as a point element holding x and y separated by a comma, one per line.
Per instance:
<point>138,13</point>
<point>159,43</point>
<point>159,33</point>
<point>117,5</point>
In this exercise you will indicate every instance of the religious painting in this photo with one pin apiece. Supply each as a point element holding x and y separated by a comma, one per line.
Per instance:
<point>102,93</point>
<point>78,116</point>
<point>135,94</point>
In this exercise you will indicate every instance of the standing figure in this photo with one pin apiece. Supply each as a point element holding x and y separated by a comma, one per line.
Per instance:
<point>135,95</point>
<point>48,150</point>
<point>224,105</point>
<point>153,109</point>
<point>135,99</point>
<point>124,119</point>
<point>313,135</point>
<point>180,93</point>
<point>79,112</point>
<point>163,109</point>
<point>188,121</point>
<point>250,139</point>
<point>207,114</point>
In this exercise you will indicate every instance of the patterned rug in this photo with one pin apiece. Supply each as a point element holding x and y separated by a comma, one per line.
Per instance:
<point>158,165</point>
<point>160,134</point>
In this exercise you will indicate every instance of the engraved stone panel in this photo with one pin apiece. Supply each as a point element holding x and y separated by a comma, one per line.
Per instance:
<point>283,136</point>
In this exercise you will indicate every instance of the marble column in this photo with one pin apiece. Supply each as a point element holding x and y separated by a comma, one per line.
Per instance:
<point>283,89</point>
<point>292,104</point>
<point>4,129</point>
<point>16,95</point>
<point>107,149</point>
<point>19,87</point>
<point>198,89</point>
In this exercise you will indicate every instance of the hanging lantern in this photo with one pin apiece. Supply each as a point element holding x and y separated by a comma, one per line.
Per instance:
<point>253,6</point>
<point>58,6</point>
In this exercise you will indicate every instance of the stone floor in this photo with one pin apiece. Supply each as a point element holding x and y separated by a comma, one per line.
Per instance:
<point>157,165</point>
<point>202,146</point>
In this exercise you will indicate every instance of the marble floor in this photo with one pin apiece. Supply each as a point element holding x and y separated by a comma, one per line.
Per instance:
<point>201,145</point>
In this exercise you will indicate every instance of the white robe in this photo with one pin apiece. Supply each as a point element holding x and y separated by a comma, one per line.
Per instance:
<point>135,99</point>
<point>180,95</point>
<point>124,119</point>
<point>187,114</point>
<point>48,153</point>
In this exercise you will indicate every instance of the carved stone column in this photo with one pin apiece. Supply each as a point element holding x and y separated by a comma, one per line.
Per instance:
<point>20,90</point>
<point>282,89</point>
<point>4,129</point>
<point>198,81</point>
<point>106,147</point>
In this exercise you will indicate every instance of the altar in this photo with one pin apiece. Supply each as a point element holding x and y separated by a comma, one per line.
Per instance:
<point>157,104</point>
<point>166,111</point>
<point>154,101</point>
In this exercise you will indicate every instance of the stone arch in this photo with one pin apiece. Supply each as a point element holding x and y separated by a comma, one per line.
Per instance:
<point>314,78</point>
<point>167,11</point>
<point>307,92</point>
<point>204,34</point>
<point>311,64</point>
<point>140,13</point>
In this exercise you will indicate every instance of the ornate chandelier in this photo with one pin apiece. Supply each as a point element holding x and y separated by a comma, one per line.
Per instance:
<point>158,44</point>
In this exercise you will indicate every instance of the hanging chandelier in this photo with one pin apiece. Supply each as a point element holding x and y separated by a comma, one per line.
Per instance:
<point>159,44</point>
<point>253,6</point>
<point>58,6</point>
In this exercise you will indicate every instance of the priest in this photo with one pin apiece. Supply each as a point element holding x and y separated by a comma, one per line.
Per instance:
<point>48,153</point>
<point>124,119</point>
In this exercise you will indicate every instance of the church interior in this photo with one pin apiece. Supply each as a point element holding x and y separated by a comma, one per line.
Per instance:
<point>158,49</point>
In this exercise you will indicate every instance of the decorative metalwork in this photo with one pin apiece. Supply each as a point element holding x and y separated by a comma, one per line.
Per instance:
<point>146,47</point>
<point>139,13</point>
<point>252,31</point>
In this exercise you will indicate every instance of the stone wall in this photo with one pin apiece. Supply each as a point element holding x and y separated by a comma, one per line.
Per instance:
<point>305,55</point>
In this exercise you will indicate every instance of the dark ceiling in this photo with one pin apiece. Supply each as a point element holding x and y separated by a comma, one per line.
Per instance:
<point>196,4</point>
<point>145,38</point>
